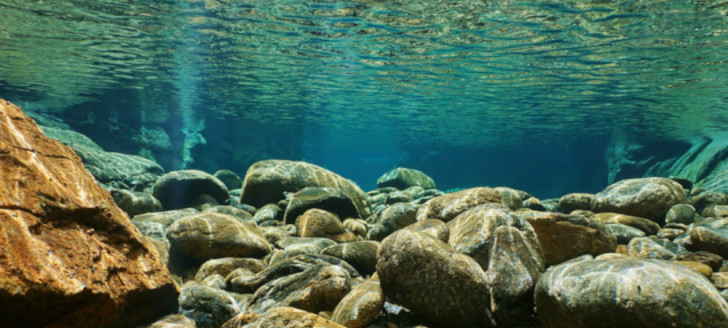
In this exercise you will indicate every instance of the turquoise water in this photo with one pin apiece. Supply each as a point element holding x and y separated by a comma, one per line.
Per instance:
<point>521,93</point>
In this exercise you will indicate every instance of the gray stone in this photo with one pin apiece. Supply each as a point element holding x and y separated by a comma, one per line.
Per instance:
<point>623,233</point>
<point>710,239</point>
<point>649,198</point>
<point>266,181</point>
<point>360,306</point>
<point>328,199</point>
<point>224,266</point>
<point>229,178</point>
<point>166,218</point>
<point>403,178</point>
<point>230,210</point>
<point>433,280</point>
<point>575,201</point>
<point>294,246</point>
<point>134,202</point>
<point>627,293</point>
<point>268,212</point>
<point>647,226</point>
<point>681,213</point>
<point>393,218</point>
<point>208,307</point>
<point>207,235</point>
<point>186,188</point>
<point>508,249</point>
<point>649,249</point>
<point>280,317</point>
<point>362,255</point>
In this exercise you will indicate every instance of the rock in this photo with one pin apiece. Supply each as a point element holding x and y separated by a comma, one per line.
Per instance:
<point>295,246</point>
<point>186,188</point>
<point>134,202</point>
<point>627,293</point>
<point>448,206</point>
<point>648,249</point>
<point>360,306</point>
<point>398,197</point>
<point>165,218</point>
<point>208,307</point>
<point>224,266</point>
<point>266,181</point>
<point>358,227</point>
<point>69,256</point>
<point>512,198</point>
<point>681,213</point>
<point>300,263</point>
<point>214,281</point>
<point>362,255</point>
<point>710,239</point>
<point>318,288</point>
<point>230,210</point>
<point>207,235</point>
<point>670,234</point>
<point>575,201</point>
<point>706,200</point>
<point>563,237</point>
<point>533,203</point>
<point>433,280</point>
<point>113,170</point>
<point>433,227</point>
<point>281,317</point>
<point>403,178</point>
<point>508,249</point>
<point>720,280</point>
<point>697,267</point>
<point>714,261</point>
<point>319,223</point>
<point>173,321</point>
<point>268,212</point>
<point>393,218</point>
<point>649,198</point>
<point>647,226</point>
<point>329,199</point>
<point>623,233</point>
<point>229,178</point>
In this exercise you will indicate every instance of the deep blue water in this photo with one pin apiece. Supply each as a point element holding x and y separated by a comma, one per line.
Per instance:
<point>474,93</point>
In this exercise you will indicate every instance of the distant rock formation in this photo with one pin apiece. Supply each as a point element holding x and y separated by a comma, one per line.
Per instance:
<point>70,257</point>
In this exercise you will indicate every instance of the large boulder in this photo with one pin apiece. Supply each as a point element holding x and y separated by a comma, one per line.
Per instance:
<point>403,178</point>
<point>70,257</point>
<point>448,206</point>
<point>114,170</point>
<point>649,198</point>
<point>628,293</point>
<point>186,188</point>
<point>433,280</point>
<point>266,181</point>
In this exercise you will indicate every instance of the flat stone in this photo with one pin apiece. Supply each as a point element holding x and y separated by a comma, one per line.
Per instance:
<point>294,246</point>
<point>433,280</point>
<point>68,255</point>
<point>648,198</point>
<point>627,293</point>
<point>134,202</point>
<point>208,235</point>
<point>393,218</point>
<point>710,239</point>
<point>647,226</point>
<point>319,223</point>
<point>281,317</point>
<point>224,266</point>
<point>575,201</point>
<point>360,306</point>
<point>448,206</point>
<point>332,200</point>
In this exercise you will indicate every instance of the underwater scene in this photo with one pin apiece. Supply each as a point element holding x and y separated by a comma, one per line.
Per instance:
<point>364,163</point>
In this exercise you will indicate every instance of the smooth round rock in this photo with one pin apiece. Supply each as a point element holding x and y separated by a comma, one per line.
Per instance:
<point>433,280</point>
<point>231,179</point>
<point>362,255</point>
<point>710,239</point>
<point>208,307</point>
<point>448,206</point>
<point>134,202</point>
<point>358,308</point>
<point>649,227</point>
<point>433,227</point>
<point>403,178</point>
<point>575,201</point>
<point>208,235</point>
<point>186,188</point>
<point>224,266</point>
<point>628,293</point>
<point>319,223</point>
<point>393,218</point>
<point>649,198</point>
<point>681,213</point>
<point>281,317</point>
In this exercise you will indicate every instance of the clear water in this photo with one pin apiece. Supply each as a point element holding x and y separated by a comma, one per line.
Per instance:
<point>520,93</point>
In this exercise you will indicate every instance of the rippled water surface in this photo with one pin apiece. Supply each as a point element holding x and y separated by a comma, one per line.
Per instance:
<point>443,73</point>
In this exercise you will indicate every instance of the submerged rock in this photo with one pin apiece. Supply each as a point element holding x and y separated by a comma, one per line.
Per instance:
<point>403,178</point>
<point>328,199</point>
<point>575,201</point>
<point>393,218</point>
<point>433,280</point>
<point>209,307</point>
<point>134,202</point>
<point>628,293</point>
<point>649,198</point>
<point>281,317</point>
<point>362,255</point>
<point>70,257</point>
<point>360,306</point>
<point>266,181</point>
<point>174,321</point>
<point>187,188</point>
<point>448,206</point>
<point>229,178</point>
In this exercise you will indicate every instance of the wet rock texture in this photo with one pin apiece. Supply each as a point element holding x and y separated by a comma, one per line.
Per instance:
<point>403,178</point>
<point>628,293</point>
<point>448,206</point>
<point>649,198</point>
<point>70,257</point>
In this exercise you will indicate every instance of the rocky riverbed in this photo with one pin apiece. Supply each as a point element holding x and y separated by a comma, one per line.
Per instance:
<point>292,244</point>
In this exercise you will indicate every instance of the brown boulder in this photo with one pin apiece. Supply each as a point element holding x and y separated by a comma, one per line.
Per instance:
<point>448,206</point>
<point>70,256</point>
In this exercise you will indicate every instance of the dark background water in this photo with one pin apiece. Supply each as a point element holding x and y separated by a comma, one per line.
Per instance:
<point>531,95</point>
